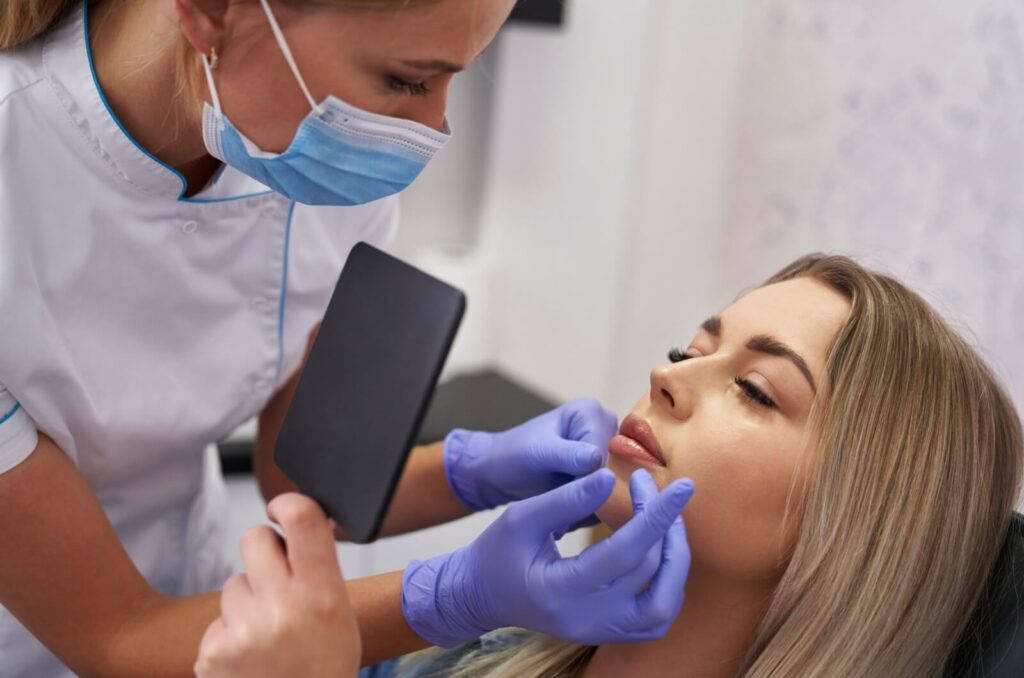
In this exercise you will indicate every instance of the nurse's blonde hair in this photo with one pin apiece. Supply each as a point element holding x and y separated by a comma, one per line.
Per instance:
<point>913,483</point>
<point>22,21</point>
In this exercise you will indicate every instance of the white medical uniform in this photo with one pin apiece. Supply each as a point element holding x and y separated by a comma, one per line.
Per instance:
<point>136,327</point>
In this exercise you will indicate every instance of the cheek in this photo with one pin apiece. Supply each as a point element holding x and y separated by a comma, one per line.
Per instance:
<point>617,511</point>
<point>742,472</point>
<point>263,100</point>
<point>742,477</point>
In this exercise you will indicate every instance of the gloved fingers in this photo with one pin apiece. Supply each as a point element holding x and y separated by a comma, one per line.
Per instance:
<point>568,457</point>
<point>642,635</point>
<point>587,420</point>
<point>559,508</point>
<point>461,468</point>
<point>642,489</point>
<point>589,521</point>
<point>661,602</point>
<point>634,581</point>
<point>623,551</point>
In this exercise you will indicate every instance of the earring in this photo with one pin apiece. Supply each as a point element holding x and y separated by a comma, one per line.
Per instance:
<point>214,59</point>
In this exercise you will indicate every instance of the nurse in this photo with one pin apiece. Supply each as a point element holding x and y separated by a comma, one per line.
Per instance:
<point>180,184</point>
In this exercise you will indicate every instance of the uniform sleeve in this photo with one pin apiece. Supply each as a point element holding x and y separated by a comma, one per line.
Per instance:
<point>18,435</point>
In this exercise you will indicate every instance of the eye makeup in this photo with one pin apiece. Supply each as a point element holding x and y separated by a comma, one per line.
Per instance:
<point>749,390</point>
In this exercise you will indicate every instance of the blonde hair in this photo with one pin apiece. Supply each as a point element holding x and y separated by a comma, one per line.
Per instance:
<point>22,21</point>
<point>913,486</point>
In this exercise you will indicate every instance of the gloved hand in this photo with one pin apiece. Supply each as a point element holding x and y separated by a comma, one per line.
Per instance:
<point>486,470</point>
<point>513,574</point>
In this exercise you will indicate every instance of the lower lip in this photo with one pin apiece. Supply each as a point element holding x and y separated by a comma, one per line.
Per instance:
<point>630,450</point>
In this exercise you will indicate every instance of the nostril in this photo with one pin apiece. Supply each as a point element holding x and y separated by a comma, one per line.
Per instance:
<point>669,398</point>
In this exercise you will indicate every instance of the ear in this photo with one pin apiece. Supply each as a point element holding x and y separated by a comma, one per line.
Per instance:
<point>202,22</point>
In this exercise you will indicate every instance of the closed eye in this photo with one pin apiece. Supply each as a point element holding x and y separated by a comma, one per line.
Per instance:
<point>754,393</point>
<point>749,390</point>
<point>416,89</point>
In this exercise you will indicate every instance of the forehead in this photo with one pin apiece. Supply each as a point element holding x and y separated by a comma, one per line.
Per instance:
<point>804,313</point>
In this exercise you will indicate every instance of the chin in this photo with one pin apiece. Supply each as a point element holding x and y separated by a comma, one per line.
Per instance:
<point>617,511</point>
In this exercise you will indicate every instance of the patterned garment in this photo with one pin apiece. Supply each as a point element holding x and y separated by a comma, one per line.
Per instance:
<point>442,663</point>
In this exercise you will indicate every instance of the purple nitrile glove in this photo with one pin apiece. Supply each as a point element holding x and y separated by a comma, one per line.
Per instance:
<point>513,574</point>
<point>486,470</point>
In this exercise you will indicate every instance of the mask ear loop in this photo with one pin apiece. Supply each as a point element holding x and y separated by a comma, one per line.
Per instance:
<point>209,83</point>
<point>283,44</point>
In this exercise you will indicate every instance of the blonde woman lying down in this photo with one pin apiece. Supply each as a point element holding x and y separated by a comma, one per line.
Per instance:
<point>856,467</point>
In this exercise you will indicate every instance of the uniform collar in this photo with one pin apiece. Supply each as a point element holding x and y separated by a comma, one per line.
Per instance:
<point>67,58</point>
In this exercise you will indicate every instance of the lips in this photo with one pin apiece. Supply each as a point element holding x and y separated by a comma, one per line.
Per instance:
<point>637,441</point>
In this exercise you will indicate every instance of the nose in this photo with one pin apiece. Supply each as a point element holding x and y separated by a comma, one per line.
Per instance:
<point>668,390</point>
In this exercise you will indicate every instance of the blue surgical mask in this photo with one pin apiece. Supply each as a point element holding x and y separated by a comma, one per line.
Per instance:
<point>340,155</point>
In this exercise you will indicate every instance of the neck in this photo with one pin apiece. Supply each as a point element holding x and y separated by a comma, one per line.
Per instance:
<point>709,638</point>
<point>134,48</point>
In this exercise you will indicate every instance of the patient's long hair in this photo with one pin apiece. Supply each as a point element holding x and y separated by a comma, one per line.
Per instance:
<point>913,483</point>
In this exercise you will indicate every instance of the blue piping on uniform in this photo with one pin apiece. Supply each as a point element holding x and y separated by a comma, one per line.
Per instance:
<point>110,111</point>
<point>232,198</point>
<point>284,292</point>
<point>10,414</point>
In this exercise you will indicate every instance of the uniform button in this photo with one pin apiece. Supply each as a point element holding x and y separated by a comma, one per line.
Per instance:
<point>189,227</point>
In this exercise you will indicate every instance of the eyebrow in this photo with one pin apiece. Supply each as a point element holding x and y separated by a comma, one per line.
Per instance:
<point>764,343</point>
<point>713,326</point>
<point>439,65</point>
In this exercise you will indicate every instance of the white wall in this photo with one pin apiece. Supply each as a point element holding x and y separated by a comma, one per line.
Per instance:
<point>893,131</point>
<point>678,188</point>
<point>443,204</point>
<point>604,189</point>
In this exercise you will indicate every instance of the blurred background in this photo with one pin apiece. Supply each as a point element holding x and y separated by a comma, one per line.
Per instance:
<point>621,170</point>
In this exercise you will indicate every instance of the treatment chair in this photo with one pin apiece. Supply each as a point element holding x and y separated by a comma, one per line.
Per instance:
<point>993,645</point>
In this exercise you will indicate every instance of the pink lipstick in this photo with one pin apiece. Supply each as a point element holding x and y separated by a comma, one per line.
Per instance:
<point>636,442</point>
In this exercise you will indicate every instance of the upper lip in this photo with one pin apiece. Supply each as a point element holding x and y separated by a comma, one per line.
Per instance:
<point>638,429</point>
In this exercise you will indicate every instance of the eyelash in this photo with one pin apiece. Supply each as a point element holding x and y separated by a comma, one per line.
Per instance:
<point>677,356</point>
<point>749,390</point>
<point>416,89</point>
